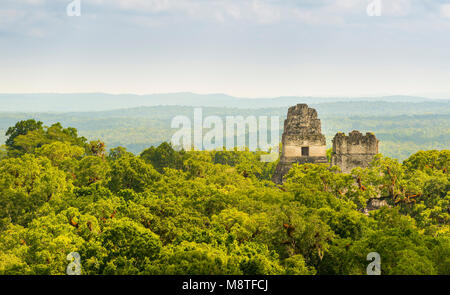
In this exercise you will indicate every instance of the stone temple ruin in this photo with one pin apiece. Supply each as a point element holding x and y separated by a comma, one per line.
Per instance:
<point>354,150</point>
<point>303,142</point>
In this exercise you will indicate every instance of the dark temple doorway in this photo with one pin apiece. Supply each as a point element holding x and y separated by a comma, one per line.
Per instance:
<point>305,151</point>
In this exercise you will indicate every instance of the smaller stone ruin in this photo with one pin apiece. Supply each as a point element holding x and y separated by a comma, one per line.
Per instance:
<point>375,204</point>
<point>354,150</point>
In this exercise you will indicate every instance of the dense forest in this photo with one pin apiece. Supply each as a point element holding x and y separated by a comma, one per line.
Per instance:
<point>402,127</point>
<point>196,212</point>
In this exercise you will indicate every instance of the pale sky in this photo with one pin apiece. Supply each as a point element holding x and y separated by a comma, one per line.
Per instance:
<point>247,48</point>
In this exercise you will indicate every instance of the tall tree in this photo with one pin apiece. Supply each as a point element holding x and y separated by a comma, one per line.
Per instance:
<point>21,128</point>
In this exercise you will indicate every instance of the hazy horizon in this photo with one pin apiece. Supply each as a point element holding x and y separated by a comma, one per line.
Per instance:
<point>232,96</point>
<point>91,102</point>
<point>245,48</point>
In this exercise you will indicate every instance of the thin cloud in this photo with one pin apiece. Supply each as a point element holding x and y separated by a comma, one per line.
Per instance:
<point>445,10</point>
<point>243,47</point>
<point>324,12</point>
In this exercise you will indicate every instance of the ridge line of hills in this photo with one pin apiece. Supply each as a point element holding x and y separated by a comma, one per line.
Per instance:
<point>90,102</point>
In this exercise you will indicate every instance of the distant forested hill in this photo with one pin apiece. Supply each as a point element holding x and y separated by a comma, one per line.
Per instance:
<point>402,127</point>
<point>87,102</point>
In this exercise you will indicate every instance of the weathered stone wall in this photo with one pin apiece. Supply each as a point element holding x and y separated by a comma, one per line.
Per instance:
<point>302,129</point>
<point>375,204</point>
<point>354,150</point>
